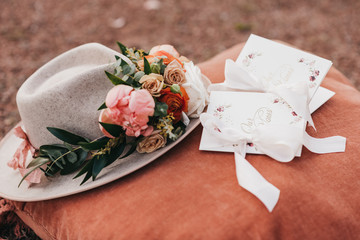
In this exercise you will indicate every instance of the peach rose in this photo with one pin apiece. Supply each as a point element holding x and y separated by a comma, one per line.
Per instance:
<point>184,59</point>
<point>176,102</point>
<point>153,83</point>
<point>151,143</point>
<point>174,73</point>
<point>130,109</point>
<point>165,47</point>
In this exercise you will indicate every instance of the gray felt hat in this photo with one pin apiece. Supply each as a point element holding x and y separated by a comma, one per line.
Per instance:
<point>66,92</point>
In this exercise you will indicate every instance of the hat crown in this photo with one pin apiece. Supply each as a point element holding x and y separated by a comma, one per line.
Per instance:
<point>66,93</point>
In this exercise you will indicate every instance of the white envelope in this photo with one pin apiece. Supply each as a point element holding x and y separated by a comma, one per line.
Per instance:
<point>277,63</point>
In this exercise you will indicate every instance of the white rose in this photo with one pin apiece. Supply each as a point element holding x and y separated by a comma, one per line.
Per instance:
<point>196,87</point>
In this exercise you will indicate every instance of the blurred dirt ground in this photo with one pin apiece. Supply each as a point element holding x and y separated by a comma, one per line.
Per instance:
<point>33,32</point>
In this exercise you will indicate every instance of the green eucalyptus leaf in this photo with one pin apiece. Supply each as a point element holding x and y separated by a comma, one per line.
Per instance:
<point>82,154</point>
<point>72,157</point>
<point>138,76</point>
<point>122,47</point>
<point>147,68</point>
<point>103,106</point>
<point>115,79</point>
<point>160,109</point>
<point>133,69</point>
<point>72,167</point>
<point>126,69</point>
<point>114,130</point>
<point>66,136</point>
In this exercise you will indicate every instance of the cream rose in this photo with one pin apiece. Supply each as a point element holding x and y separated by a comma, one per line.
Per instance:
<point>153,83</point>
<point>196,87</point>
<point>151,143</point>
<point>174,73</point>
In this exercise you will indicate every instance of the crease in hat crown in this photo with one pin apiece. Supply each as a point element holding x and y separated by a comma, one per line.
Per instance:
<point>66,93</point>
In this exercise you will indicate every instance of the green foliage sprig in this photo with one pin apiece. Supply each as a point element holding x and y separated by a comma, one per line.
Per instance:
<point>80,153</point>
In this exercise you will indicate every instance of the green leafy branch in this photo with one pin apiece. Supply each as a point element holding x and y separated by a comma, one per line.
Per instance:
<point>80,154</point>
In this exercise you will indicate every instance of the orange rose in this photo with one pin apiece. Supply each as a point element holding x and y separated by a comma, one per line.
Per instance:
<point>176,102</point>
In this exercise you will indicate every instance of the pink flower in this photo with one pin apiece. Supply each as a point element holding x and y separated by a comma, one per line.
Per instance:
<point>130,109</point>
<point>19,159</point>
<point>142,103</point>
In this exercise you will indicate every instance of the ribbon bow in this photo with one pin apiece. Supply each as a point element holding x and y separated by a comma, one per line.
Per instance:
<point>281,142</point>
<point>295,94</point>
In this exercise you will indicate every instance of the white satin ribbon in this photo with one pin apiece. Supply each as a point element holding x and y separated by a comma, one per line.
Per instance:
<point>295,94</point>
<point>281,142</point>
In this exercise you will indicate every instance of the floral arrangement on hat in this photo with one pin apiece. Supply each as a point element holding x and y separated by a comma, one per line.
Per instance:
<point>154,95</point>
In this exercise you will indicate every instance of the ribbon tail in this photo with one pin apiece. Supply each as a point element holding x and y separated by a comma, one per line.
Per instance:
<point>250,179</point>
<point>325,145</point>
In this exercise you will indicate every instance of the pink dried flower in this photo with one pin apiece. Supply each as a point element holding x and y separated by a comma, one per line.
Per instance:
<point>19,159</point>
<point>130,109</point>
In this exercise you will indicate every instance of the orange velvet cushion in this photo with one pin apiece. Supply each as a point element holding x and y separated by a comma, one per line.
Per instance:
<point>189,194</point>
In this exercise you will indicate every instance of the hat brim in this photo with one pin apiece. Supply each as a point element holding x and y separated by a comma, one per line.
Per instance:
<point>60,186</point>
